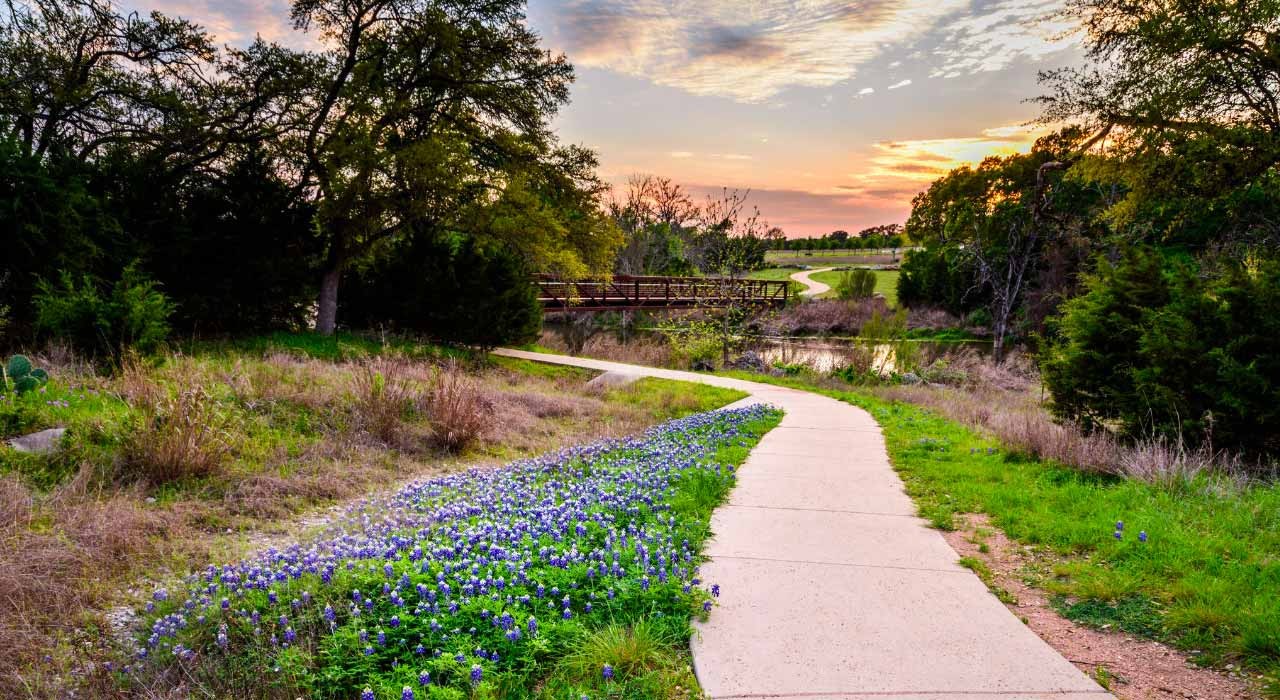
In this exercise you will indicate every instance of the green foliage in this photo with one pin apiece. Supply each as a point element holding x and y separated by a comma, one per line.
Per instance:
<point>856,284</point>
<point>452,289</point>
<point>235,251</point>
<point>21,376</point>
<point>1155,347</point>
<point>693,342</point>
<point>133,315</point>
<point>939,276</point>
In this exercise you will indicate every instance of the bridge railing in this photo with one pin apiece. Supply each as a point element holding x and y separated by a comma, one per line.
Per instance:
<point>641,292</point>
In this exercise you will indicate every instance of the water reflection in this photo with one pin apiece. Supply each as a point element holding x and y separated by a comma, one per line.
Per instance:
<point>825,356</point>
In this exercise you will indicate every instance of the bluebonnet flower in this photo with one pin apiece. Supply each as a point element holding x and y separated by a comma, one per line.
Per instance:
<point>1142,536</point>
<point>424,678</point>
<point>607,672</point>
<point>406,693</point>
<point>477,673</point>
<point>461,532</point>
<point>367,694</point>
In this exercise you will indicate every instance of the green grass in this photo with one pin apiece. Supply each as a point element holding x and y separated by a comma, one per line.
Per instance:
<point>1207,580</point>
<point>337,347</point>
<point>668,398</point>
<point>886,283</point>
<point>773,273</point>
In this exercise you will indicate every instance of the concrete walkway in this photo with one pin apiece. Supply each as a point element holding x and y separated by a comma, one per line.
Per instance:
<point>812,287</point>
<point>831,587</point>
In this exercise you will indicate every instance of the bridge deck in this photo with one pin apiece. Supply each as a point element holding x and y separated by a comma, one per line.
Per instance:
<point>625,292</point>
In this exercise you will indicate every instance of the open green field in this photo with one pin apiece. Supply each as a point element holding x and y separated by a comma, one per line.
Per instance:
<point>886,283</point>
<point>826,258</point>
<point>1205,579</point>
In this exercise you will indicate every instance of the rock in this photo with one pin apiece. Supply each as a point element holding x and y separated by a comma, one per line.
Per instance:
<point>41,443</point>
<point>750,362</point>
<point>910,378</point>
<point>610,380</point>
<point>703,366</point>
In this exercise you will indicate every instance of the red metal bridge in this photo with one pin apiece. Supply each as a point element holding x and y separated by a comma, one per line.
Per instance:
<point>629,293</point>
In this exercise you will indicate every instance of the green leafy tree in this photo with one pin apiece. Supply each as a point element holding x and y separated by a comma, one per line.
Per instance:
<point>425,112</point>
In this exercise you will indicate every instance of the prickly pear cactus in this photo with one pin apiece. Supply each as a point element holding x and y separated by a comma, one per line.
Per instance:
<point>18,367</point>
<point>22,376</point>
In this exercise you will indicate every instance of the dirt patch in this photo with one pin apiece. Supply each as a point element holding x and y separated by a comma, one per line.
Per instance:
<point>1131,668</point>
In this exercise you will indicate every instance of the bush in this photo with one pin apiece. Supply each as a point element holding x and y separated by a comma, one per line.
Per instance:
<point>133,316</point>
<point>1157,348</point>
<point>856,284</point>
<point>452,289</point>
<point>939,276</point>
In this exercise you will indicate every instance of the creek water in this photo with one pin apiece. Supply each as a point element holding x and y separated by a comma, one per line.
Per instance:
<point>828,354</point>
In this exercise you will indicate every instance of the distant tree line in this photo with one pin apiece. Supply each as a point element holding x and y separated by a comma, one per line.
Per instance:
<point>1138,250</point>
<point>151,179</point>
<point>873,238</point>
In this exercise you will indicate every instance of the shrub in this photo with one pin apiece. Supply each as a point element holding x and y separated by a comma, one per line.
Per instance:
<point>856,284</point>
<point>693,343</point>
<point>133,315</point>
<point>182,436</point>
<point>452,289</point>
<point>1157,348</point>
<point>458,409</point>
<point>939,275</point>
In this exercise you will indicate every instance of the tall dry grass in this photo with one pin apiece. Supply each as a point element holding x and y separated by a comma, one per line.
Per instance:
<point>457,408</point>
<point>383,397</point>
<point>183,435</point>
<point>53,575</point>
<point>1007,401</point>
<point>648,351</point>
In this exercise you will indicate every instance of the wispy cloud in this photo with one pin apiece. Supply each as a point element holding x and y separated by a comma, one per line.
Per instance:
<point>899,84</point>
<point>992,37</point>
<point>749,53</point>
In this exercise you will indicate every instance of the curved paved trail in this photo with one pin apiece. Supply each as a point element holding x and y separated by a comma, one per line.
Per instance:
<point>813,287</point>
<point>831,587</point>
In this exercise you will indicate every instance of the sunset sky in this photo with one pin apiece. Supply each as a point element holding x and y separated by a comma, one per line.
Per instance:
<point>834,114</point>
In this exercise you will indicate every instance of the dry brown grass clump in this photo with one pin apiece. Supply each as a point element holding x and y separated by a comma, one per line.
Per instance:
<point>382,398</point>
<point>458,409</point>
<point>183,435</point>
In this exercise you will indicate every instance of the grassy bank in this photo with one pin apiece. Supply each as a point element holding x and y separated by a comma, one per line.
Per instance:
<point>886,283</point>
<point>1207,578</point>
<point>573,574</point>
<point>212,450</point>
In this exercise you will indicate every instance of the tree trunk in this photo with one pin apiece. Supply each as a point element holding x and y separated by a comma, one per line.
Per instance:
<point>997,346</point>
<point>327,317</point>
